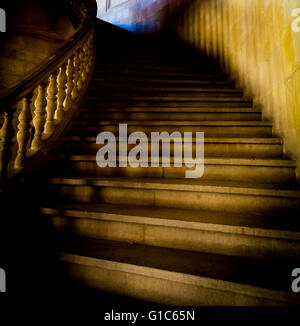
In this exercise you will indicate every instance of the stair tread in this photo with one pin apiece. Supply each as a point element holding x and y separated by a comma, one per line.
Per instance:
<point>171,110</point>
<point>177,123</point>
<point>206,140</point>
<point>162,83</point>
<point>207,160</point>
<point>126,70</point>
<point>127,79</point>
<point>158,67</point>
<point>232,187</point>
<point>178,99</point>
<point>128,88</point>
<point>258,273</point>
<point>245,224</point>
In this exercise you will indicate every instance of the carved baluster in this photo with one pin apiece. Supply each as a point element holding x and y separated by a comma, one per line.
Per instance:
<point>91,50</point>
<point>76,76</point>
<point>70,85</point>
<point>40,116</point>
<point>23,134</point>
<point>61,94</point>
<point>85,63</point>
<point>87,59</point>
<point>6,135</point>
<point>51,104</point>
<point>80,69</point>
<point>88,56</point>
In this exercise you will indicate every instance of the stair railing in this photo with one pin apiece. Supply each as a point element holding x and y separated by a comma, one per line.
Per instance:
<point>35,111</point>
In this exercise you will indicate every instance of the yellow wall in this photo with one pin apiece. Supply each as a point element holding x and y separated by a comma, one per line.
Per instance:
<point>253,40</point>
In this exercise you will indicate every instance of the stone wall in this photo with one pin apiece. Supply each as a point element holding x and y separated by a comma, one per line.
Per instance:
<point>253,40</point>
<point>35,29</point>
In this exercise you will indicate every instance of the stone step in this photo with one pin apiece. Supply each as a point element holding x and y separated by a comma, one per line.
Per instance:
<point>161,80</point>
<point>233,169</point>
<point>145,65</point>
<point>149,59</point>
<point>213,147</point>
<point>191,278</point>
<point>151,99</point>
<point>110,71</point>
<point>236,197</point>
<point>148,114</point>
<point>122,94</point>
<point>137,88</point>
<point>179,102</point>
<point>153,63</point>
<point>262,129</point>
<point>135,83</point>
<point>258,237</point>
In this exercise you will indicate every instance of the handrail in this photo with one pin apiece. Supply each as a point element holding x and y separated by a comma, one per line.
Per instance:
<point>36,110</point>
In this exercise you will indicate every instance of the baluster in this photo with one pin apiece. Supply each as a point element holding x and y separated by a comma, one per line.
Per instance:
<point>91,49</point>
<point>61,94</point>
<point>87,59</point>
<point>6,135</point>
<point>80,69</point>
<point>40,116</point>
<point>51,104</point>
<point>23,134</point>
<point>84,63</point>
<point>70,85</point>
<point>76,76</point>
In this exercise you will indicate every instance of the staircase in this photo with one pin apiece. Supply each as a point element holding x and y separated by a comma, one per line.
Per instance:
<point>231,237</point>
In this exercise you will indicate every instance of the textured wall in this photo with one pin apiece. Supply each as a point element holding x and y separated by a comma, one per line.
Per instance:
<point>254,41</point>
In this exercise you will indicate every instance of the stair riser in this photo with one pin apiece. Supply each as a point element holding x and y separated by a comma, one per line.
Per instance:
<point>136,73</point>
<point>211,172</point>
<point>120,94</point>
<point>209,131</point>
<point>213,116</point>
<point>152,84</point>
<point>155,289</point>
<point>156,63</point>
<point>214,242</point>
<point>228,202</point>
<point>167,104</point>
<point>161,89</point>
<point>110,71</point>
<point>210,150</point>
<point>134,59</point>
<point>159,66</point>
<point>129,79</point>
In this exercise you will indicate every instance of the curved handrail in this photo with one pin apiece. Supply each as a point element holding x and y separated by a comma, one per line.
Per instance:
<point>37,109</point>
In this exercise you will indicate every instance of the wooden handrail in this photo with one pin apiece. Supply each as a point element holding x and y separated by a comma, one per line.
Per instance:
<point>37,109</point>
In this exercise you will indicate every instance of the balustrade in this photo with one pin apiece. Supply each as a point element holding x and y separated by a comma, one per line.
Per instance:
<point>47,99</point>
